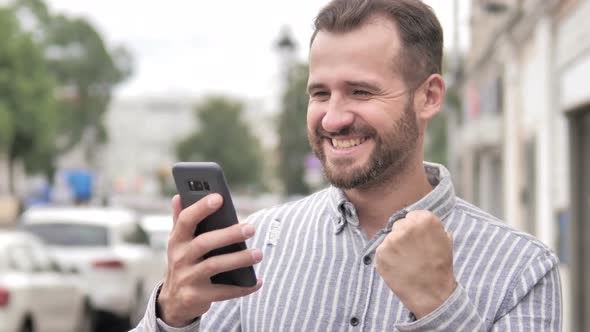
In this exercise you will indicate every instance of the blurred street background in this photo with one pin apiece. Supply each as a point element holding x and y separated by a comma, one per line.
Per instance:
<point>98,99</point>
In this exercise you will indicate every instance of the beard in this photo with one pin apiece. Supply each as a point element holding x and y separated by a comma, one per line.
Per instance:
<point>389,158</point>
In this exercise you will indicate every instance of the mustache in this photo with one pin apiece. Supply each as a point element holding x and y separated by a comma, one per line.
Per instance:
<point>353,130</point>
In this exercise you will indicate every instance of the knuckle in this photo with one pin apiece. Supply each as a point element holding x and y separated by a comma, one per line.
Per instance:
<point>413,214</point>
<point>171,242</point>
<point>183,216</point>
<point>378,252</point>
<point>400,232</point>
<point>420,216</point>
<point>386,245</point>
<point>237,232</point>
<point>175,264</point>
<point>186,299</point>
<point>176,258</point>
<point>199,246</point>
<point>183,279</point>
<point>210,267</point>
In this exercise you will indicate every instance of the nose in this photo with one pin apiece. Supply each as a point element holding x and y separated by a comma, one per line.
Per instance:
<point>337,116</point>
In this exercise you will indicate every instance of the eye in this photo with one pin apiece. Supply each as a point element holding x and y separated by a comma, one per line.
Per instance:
<point>320,94</point>
<point>361,93</point>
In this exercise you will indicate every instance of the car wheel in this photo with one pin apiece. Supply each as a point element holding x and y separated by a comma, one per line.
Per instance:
<point>87,319</point>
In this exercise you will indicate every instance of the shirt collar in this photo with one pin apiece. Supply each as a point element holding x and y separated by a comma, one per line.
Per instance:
<point>440,201</point>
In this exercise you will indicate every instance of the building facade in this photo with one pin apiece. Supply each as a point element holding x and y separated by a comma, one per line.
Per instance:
<point>523,148</point>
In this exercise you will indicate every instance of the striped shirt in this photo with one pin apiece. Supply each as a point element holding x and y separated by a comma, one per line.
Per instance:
<point>319,274</point>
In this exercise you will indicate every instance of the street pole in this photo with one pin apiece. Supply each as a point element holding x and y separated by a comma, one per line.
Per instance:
<point>452,153</point>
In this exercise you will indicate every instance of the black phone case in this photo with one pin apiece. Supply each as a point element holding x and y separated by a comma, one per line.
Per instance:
<point>212,174</point>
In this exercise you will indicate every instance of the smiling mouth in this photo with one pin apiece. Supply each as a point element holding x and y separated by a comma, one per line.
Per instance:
<point>340,144</point>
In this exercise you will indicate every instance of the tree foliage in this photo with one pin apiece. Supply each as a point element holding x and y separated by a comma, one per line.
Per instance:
<point>224,137</point>
<point>436,147</point>
<point>27,104</point>
<point>85,70</point>
<point>87,73</point>
<point>56,78</point>
<point>293,144</point>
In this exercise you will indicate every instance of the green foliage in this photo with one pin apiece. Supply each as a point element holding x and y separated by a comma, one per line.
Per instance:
<point>84,69</point>
<point>55,77</point>
<point>225,138</point>
<point>293,143</point>
<point>436,144</point>
<point>6,127</point>
<point>87,73</point>
<point>435,149</point>
<point>27,103</point>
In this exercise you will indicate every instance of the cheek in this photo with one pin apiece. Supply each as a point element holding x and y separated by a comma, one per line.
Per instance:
<point>314,118</point>
<point>379,121</point>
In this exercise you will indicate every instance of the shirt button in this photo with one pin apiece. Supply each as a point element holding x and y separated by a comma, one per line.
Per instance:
<point>367,260</point>
<point>354,321</point>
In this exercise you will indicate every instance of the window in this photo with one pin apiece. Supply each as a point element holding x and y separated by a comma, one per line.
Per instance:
<point>70,235</point>
<point>42,260</point>
<point>133,233</point>
<point>19,259</point>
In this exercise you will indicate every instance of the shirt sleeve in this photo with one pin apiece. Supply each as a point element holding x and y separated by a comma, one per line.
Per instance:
<point>457,313</point>
<point>532,304</point>
<point>223,316</point>
<point>536,309</point>
<point>150,322</point>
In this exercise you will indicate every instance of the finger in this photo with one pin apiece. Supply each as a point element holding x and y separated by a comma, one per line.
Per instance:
<point>227,262</point>
<point>424,219</point>
<point>417,215</point>
<point>190,217</point>
<point>176,208</point>
<point>450,236</point>
<point>208,241</point>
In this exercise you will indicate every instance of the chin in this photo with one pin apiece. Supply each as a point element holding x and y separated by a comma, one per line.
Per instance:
<point>347,177</point>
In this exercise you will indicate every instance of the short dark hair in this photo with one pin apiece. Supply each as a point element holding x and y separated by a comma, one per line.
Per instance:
<point>419,29</point>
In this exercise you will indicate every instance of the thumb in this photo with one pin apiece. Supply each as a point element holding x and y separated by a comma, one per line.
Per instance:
<point>176,208</point>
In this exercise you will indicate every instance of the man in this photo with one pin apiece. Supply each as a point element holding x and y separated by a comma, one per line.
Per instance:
<point>388,246</point>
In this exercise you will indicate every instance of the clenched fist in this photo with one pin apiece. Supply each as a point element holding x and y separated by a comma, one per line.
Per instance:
<point>416,261</point>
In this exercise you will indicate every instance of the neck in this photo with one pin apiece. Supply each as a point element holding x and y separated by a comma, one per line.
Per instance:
<point>374,205</point>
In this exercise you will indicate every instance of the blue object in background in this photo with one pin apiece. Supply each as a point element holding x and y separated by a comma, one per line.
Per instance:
<point>80,183</point>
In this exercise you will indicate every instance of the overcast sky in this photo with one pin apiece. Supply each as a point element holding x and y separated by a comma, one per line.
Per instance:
<point>190,48</point>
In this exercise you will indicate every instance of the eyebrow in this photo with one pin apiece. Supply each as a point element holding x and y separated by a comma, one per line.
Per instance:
<point>363,84</point>
<point>315,86</point>
<point>351,84</point>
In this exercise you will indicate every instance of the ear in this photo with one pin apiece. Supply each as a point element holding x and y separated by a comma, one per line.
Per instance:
<point>432,97</point>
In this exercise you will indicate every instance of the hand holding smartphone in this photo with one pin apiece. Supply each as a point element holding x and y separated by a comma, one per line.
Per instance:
<point>194,181</point>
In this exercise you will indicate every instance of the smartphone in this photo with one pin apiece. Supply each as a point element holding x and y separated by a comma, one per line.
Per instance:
<point>195,180</point>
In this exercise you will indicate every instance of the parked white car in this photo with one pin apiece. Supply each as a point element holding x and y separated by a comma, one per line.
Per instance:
<point>35,295</point>
<point>158,227</point>
<point>108,248</point>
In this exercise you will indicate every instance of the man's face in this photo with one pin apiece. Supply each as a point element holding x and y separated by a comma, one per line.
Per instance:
<point>361,121</point>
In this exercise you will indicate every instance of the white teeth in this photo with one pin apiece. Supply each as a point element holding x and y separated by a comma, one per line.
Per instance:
<point>348,143</point>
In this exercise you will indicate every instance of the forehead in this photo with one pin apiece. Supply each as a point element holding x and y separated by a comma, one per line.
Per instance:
<point>370,49</point>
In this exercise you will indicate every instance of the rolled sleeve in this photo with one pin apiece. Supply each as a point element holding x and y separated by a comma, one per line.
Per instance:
<point>163,327</point>
<point>151,323</point>
<point>457,313</point>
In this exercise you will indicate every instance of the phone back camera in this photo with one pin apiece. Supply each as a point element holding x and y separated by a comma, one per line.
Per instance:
<point>206,186</point>
<point>195,185</point>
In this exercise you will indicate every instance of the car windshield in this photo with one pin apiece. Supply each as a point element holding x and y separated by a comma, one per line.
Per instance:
<point>66,234</point>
